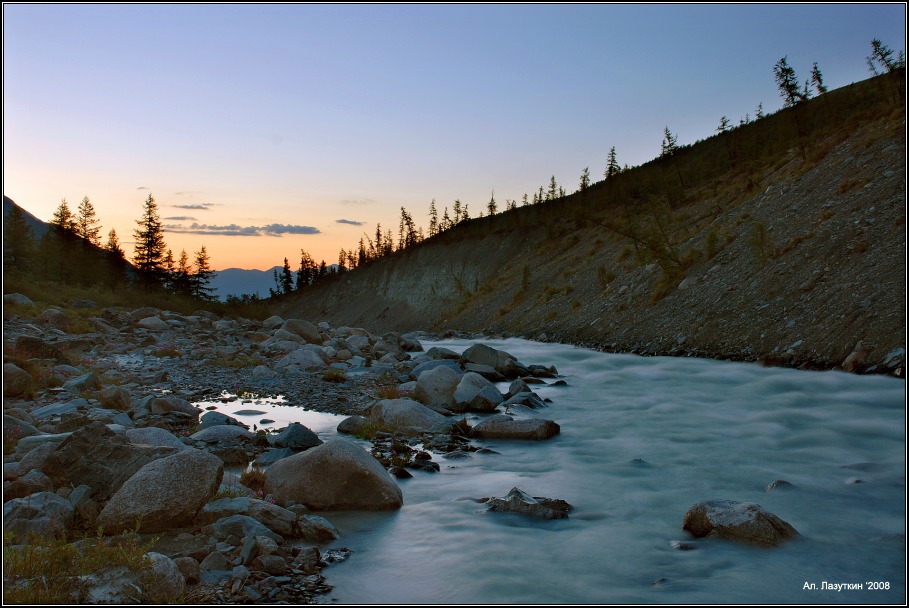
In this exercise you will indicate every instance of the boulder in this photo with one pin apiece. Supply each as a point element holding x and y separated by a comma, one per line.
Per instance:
<point>96,456</point>
<point>16,381</point>
<point>209,419</point>
<point>518,501</point>
<point>474,392</point>
<point>155,436</point>
<point>304,358</point>
<point>275,518</point>
<point>501,426</point>
<point>739,521</point>
<point>487,372</point>
<point>234,528</point>
<point>517,386</point>
<point>295,436</point>
<point>425,366</point>
<point>437,352</point>
<point>17,299</point>
<point>169,582</point>
<point>486,355</point>
<point>152,499</point>
<point>27,444</point>
<point>408,417</point>
<point>189,568</point>
<point>358,344</point>
<point>31,483</point>
<point>222,432</point>
<point>15,428</point>
<point>58,409</point>
<point>437,386</point>
<point>38,348</point>
<point>153,323</point>
<point>270,564</point>
<point>270,457</point>
<point>316,529</point>
<point>172,403</point>
<point>45,515</point>
<point>304,329</point>
<point>116,397</point>
<point>54,318</point>
<point>273,322</point>
<point>337,475</point>
<point>85,382</point>
<point>527,399</point>
<point>352,425</point>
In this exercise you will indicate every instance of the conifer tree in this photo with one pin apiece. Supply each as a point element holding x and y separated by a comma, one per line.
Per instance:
<point>182,278</point>
<point>63,220</point>
<point>433,219</point>
<point>149,248</point>
<point>585,179</point>
<point>883,56</point>
<point>342,261</point>
<point>491,205</point>
<point>524,200</point>
<point>201,279</point>
<point>287,277</point>
<point>553,191</point>
<point>669,145</point>
<point>787,83</point>
<point>18,241</point>
<point>87,225</point>
<point>456,209</point>
<point>817,79</point>
<point>445,222</point>
<point>612,165</point>
<point>113,244</point>
<point>725,125</point>
<point>759,111</point>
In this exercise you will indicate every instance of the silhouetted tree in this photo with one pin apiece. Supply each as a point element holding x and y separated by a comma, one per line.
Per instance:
<point>456,209</point>
<point>787,83</point>
<point>883,56</point>
<point>63,220</point>
<point>553,191</point>
<point>817,79</point>
<point>433,219</point>
<point>182,280</point>
<point>491,205</point>
<point>113,244</point>
<point>585,179</point>
<point>759,111</point>
<point>670,143</point>
<point>149,248</point>
<point>18,241</point>
<point>87,225</point>
<point>202,277</point>
<point>725,125</point>
<point>612,165</point>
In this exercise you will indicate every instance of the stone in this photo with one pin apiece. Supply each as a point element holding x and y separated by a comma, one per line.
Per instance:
<point>304,329</point>
<point>221,433</point>
<point>437,386</point>
<point>111,585</point>
<point>779,484</point>
<point>482,354</point>
<point>151,435</point>
<point>214,561</point>
<point>358,344</point>
<point>153,499</point>
<point>189,568</point>
<point>352,425</point>
<point>487,372</point>
<point>15,428</point>
<point>435,364</point>
<point>295,436</point>
<point>38,348</point>
<point>153,323</point>
<point>337,475</point>
<point>304,358</point>
<point>96,456</point>
<point>27,444</point>
<point>172,403</point>
<point>54,318</point>
<point>517,386</point>
<point>408,417</point>
<point>31,483</point>
<point>270,564</point>
<point>116,397</point>
<point>739,521</point>
<point>501,426</point>
<point>17,299</point>
<point>273,322</point>
<point>857,359</point>
<point>16,381</point>
<point>58,409</point>
<point>527,399</point>
<point>316,529</point>
<point>236,527</point>
<point>438,352</point>
<point>45,515</point>
<point>518,501</point>
<point>86,382</point>
<point>209,419</point>
<point>11,471</point>
<point>474,392</point>
<point>273,455</point>
<point>275,518</point>
<point>35,458</point>
<point>264,546</point>
<point>169,582</point>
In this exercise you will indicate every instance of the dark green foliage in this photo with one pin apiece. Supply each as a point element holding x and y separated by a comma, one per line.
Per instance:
<point>149,248</point>
<point>670,143</point>
<point>585,179</point>
<point>18,242</point>
<point>882,57</point>
<point>817,79</point>
<point>788,83</point>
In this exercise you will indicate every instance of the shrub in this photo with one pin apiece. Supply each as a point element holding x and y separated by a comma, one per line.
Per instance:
<point>254,479</point>
<point>333,374</point>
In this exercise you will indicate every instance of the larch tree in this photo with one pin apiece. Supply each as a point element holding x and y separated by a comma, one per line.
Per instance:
<point>87,224</point>
<point>817,79</point>
<point>585,179</point>
<point>670,143</point>
<point>787,82</point>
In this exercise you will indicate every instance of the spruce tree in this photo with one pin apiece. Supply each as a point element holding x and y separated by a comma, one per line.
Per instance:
<point>817,79</point>
<point>287,277</point>
<point>612,165</point>
<point>149,248</point>
<point>491,205</point>
<point>433,219</point>
<point>725,125</point>
<point>585,179</point>
<point>787,83</point>
<point>201,279</point>
<point>113,244</point>
<point>669,145</point>
<point>63,220</point>
<point>87,225</point>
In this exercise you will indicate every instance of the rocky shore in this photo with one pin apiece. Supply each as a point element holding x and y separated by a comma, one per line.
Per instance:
<point>99,422</point>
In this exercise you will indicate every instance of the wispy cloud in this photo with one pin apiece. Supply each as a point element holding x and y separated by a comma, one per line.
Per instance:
<point>143,188</point>
<point>351,222</point>
<point>180,218</point>
<point>357,201</point>
<point>197,206</point>
<point>237,230</point>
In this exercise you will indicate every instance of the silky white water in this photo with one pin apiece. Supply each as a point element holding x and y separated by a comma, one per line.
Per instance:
<point>642,439</point>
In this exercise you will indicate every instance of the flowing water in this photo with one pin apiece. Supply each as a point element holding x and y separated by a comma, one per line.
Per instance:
<point>642,439</point>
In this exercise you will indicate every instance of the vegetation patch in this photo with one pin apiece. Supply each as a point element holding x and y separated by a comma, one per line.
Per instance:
<point>333,374</point>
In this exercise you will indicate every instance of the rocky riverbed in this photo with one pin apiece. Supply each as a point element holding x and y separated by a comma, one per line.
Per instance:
<point>99,420</point>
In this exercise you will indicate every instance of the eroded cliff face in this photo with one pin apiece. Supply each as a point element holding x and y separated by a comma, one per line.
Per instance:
<point>800,270</point>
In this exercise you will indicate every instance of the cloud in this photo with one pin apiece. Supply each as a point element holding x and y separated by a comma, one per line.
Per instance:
<point>361,201</point>
<point>351,222</point>
<point>237,230</point>
<point>197,207</point>
<point>181,218</point>
<point>143,188</point>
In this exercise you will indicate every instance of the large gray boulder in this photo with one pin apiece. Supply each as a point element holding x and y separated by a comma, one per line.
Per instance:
<point>234,528</point>
<point>16,381</point>
<point>169,581</point>
<point>337,475</point>
<point>304,329</point>
<point>304,358</point>
<point>152,435</point>
<point>17,299</point>
<point>275,518</point>
<point>474,392</point>
<point>172,403</point>
<point>501,426</point>
<point>221,433</point>
<point>739,521</point>
<point>97,457</point>
<point>153,323</point>
<point>45,515</point>
<point>295,436</point>
<point>408,417</point>
<point>425,366</point>
<point>209,419</point>
<point>437,386</point>
<point>164,494</point>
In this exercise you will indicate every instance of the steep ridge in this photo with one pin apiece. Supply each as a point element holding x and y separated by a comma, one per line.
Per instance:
<point>792,255</point>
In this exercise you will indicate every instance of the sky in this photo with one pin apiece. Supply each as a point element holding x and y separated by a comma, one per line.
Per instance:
<point>261,130</point>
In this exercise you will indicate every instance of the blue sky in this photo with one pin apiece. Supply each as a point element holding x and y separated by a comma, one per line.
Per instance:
<point>265,126</point>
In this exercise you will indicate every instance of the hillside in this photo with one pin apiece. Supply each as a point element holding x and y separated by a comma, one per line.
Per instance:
<point>783,240</point>
<point>239,281</point>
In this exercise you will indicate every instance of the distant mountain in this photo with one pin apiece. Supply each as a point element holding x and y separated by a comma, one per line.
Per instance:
<point>38,227</point>
<point>238,281</point>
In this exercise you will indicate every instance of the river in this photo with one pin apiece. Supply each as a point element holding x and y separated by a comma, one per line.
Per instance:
<point>642,439</point>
